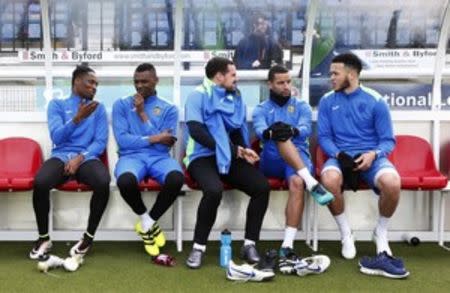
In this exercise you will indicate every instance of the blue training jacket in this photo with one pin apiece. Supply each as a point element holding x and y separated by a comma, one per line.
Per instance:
<point>295,112</point>
<point>355,123</point>
<point>221,112</point>
<point>89,137</point>
<point>132,134</point>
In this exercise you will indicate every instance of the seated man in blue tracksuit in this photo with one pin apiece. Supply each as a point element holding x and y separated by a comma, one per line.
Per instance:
<point>79,132</point>
<point>217,149</point>
<point>355,131</point>
<point>283,124</point>
<point>145,126</point>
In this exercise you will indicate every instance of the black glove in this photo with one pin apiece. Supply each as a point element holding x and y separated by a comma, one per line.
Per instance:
<point>351,177</point>
<point>279,131</point>
<point>346,161</point>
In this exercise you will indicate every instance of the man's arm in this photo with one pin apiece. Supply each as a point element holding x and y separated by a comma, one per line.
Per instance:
<point>59,131</point>
<point>259,121</point>
<point>304,122</point>
<point>325,131</point>
<point>200,133</point>
<point>124,139</point>
<point>96,148</point>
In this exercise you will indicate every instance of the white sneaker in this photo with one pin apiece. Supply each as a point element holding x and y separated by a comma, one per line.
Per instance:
<point>247,272</point>
<point>348,250</point>
<point>316,264</point>
<point>382,243</point>
<point>48,262</point>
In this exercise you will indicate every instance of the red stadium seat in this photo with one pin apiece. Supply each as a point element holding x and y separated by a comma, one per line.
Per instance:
<point>74,185</point>
<point>414,160</point>
<point>20,159</point>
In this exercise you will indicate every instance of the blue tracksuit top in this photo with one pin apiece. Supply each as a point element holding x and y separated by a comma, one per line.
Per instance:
<point>222,112</point>
<point>89,137</point>
<point>295,112</point>
<point>132,134</point>
<point>356,122</point>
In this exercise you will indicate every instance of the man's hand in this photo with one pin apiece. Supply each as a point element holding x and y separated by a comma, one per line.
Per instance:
<point>247,154</point>
<point>279,131</point>
<point>84,110</point>
<point>139,103</point>
<point>72,166</point>
<point>365,161</point>
<point>166,137</point>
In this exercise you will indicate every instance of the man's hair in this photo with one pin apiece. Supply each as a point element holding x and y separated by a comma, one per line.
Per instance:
<point>146,67</point>
<point>217,64</point>
<point>275,70</point>
<point>81,70</point>
<point>350,60</point>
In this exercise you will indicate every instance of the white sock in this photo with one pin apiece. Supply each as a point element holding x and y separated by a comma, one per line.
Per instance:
<point>382,224</point>
<point>344,227</point>
<point>289,236</point>
<point>146,221</point>
<point>310,181</point>
<point>199,247</point>
<point>249,242</point>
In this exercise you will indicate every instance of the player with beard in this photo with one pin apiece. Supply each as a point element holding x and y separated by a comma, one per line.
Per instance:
<point>217,149</point>
<point>145,127</point>
<point>355,131</point>
<point>283,124</point>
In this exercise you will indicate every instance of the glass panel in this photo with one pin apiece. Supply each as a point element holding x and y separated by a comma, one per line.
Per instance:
<point>22,95</point>
<point>392,38</point>
<point>111,89</point>
<point>361,24</point>
<point>258,34</point>
<point>20,23</point>
<point>112,24</point>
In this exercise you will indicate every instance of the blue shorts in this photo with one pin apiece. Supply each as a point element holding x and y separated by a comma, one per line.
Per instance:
<point>278,168</point>
<point>145,165</point>
<point>379,167</point>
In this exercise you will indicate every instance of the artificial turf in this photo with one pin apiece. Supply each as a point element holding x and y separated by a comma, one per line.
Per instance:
<point>124,267</point>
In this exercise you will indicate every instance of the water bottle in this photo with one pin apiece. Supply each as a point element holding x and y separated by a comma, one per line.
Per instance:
<point>225,248</point>
<point>412,240</point>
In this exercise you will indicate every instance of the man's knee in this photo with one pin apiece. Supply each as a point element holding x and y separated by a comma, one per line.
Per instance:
<point>262,187</point>
<point>332,180</point>
<point>296,184</point>
<point>42,183</point>
<point>389,184</point>
<point>175,179</point>
<point>126,180</point>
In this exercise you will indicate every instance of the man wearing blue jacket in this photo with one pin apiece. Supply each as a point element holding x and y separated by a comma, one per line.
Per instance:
<point>283,124</point>
<point>355,131</point>
<point>217,150</point>
<point>79,132</point>
<point>145,127</point>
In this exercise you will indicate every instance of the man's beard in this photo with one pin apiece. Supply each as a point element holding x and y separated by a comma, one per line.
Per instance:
<point>344,86</point>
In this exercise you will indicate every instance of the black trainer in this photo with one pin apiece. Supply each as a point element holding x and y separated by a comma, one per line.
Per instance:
<point>250,254</point>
